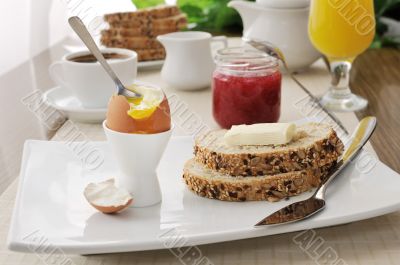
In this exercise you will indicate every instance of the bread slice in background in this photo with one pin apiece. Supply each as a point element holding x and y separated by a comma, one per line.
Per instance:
<point>139,15</point>
<point>161,11</point>
<point>121,32</point>
<point>315,145</point>
<point>177,22</point>
<point>211,184</point>
<point>154,32</point>
<point>124,32</point>
<point>138,30</point>
<point>129,24</point>
<point>139,42</point>
<point>150,54</point>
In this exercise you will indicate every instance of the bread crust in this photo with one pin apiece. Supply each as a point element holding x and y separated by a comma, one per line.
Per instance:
<point>317,154</point>
<point>263,188</point>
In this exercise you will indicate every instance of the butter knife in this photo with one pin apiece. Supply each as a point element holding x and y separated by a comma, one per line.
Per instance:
<point>304,209</point>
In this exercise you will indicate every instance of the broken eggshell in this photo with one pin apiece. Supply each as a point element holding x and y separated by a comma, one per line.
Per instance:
<point>106,197</point>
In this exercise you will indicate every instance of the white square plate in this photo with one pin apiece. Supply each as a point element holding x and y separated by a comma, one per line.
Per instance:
<point>50,206</point>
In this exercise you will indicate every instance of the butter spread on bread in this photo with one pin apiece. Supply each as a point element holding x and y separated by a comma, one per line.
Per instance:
<point>260,134</point>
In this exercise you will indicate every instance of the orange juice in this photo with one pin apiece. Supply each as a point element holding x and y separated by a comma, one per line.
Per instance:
<point>341,29</point>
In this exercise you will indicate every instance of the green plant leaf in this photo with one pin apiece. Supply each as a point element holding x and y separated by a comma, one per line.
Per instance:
<point>202,4</point>
<point>147,3</point>
<point>393,42</point>
<point>382,6</point>
<point>376,43</point>
<point>388,8</point>
<point>227,17</point>
<point>194,12</point>
<point>381,28</point>
<point>215,15</point>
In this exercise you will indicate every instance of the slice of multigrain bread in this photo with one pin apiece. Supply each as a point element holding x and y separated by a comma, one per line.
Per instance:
<point>124,32</point>
<point>179,22</point>
<point>150,54</point>
<point>157,12</point>
<point>314,145</point>
<point>211,184</point>
<point>141,42</point>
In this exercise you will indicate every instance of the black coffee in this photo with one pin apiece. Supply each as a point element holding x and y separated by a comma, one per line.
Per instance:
<point>89,58</point>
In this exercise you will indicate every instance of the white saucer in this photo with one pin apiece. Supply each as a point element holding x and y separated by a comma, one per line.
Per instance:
<point>150,65</point>
<point>62,99</point>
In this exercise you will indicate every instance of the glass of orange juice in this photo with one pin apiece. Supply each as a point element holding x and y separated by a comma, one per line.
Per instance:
<point>341,30</point>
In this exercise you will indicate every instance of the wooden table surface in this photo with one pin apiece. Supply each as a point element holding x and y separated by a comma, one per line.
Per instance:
<point>376,76</point>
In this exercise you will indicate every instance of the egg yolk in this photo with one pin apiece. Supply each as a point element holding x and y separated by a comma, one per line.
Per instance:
<point>141,109</point>
<point>147,115</point>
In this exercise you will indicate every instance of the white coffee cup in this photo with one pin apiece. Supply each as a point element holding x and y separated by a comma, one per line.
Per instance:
<point>88,81</point>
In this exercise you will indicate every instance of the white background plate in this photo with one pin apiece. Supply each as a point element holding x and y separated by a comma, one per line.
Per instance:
<point>50,205</point>
<point>150,65</point>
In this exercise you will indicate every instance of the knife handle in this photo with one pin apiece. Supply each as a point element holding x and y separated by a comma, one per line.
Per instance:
<point>358,139</point>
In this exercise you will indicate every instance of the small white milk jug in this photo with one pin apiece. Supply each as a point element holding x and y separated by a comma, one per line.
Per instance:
<point>189,64</point>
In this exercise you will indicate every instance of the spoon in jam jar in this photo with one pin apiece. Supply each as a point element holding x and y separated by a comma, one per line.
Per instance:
<point>274,51</point>
<point>81,30</point>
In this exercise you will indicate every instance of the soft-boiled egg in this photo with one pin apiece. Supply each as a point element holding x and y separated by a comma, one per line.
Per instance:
<point>147,115</point>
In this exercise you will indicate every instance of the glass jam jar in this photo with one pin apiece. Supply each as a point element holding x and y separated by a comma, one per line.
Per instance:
<point>246,87</point>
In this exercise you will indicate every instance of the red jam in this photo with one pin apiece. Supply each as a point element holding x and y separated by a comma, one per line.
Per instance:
<point>246,97</point>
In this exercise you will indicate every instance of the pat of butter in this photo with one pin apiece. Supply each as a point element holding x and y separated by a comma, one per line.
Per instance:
<point>260,134</point>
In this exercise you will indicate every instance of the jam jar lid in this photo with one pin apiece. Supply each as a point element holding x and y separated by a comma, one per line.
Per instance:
<point>243,60</point>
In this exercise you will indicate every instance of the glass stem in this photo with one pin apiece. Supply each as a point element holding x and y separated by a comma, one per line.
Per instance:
<point>340,71</point>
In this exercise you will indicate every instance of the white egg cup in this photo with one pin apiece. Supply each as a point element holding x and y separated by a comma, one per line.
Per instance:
<point>137,156</point>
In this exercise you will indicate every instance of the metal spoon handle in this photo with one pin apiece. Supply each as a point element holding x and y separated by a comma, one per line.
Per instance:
<point>80,29</point>
<point>359,138</point>
<point>274,51</point>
